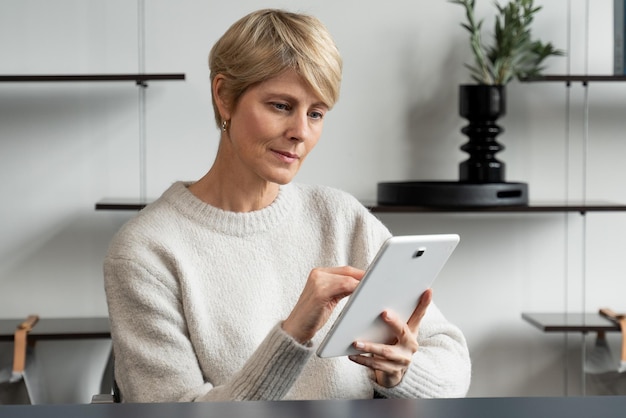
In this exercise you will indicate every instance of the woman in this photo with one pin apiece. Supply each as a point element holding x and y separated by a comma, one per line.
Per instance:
<point>222,288</point>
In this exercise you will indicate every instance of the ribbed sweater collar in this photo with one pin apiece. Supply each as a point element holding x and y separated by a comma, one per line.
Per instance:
<point>231,223</point>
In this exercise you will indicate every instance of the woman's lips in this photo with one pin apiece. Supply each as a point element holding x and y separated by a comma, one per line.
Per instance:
<point>285,156</point>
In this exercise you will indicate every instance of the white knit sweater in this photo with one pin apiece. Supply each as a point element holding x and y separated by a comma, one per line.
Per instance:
<point>196,296</point>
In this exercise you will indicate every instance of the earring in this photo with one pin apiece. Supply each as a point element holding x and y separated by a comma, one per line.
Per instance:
<point>224,125</point>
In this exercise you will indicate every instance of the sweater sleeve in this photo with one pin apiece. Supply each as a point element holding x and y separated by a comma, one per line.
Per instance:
<point>155,360</point>
<point>440,368</point>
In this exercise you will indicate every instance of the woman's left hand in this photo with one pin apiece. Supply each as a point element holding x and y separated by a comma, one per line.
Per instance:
<point>391,361</point>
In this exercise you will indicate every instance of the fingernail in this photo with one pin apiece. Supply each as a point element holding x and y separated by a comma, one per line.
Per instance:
<point>359,345</point>
<point>388,316</point>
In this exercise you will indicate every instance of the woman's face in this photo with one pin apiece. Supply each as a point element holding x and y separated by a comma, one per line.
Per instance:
<point>273,127</point>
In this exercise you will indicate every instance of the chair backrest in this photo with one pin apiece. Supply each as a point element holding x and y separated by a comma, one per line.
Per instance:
<point>110,390</point>
<point>115,392</point>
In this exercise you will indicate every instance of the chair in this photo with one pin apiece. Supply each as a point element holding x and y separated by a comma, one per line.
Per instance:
<point>110,392</point>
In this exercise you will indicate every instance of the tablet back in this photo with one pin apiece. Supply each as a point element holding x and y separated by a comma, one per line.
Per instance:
<point>403,269</point>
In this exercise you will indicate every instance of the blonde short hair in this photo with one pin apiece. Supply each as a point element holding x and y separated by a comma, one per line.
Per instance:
<point>267,42</point>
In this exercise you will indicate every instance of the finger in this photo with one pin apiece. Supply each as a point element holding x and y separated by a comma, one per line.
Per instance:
<point>353,272</point>
<point>388,374</point>
<point>340,273</point>
<point>376,363</point>
<point>333,282</point>
<point>345,280</point>
<point>419,312</point>
<point>375,355</point>
<point>397,326</point>
<point>388,362</point>
<point>400,350</point>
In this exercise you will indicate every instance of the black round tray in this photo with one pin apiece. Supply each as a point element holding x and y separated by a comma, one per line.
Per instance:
<point>452,193</point>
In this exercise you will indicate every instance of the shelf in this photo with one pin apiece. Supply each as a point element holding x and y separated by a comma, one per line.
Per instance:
<point>136,204</point>
<point>576,78</point>
<point>120,204</point>
<point>570,322</point>
<point>547,207</point>
<point>137,78</point>
<point>59,329</point>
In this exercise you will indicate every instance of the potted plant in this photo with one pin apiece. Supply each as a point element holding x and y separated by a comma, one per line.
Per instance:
<point>513,54</point>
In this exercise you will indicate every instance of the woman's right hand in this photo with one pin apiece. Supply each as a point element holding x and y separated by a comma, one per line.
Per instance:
<point>324,288</point>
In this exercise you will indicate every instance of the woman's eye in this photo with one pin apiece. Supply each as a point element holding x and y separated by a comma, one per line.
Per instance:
<point>316,115</point>
<point>281,106</point>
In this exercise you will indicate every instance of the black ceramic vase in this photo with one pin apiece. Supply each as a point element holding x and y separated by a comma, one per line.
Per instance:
<point>482,105</point>
<point>481,176</point>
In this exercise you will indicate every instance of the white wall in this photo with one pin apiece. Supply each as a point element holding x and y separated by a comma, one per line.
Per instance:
<point>65,146</point>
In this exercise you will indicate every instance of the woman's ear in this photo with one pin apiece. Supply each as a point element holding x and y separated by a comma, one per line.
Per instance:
<point>223,105</point>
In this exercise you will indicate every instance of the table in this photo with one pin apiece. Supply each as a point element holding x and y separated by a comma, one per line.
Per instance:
<point>59,329</point>
<point>571,322</point>
<point>548,407</point>
<point>583,322</point>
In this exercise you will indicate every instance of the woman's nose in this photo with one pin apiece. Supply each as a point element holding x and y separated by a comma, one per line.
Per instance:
<point>298,127</point>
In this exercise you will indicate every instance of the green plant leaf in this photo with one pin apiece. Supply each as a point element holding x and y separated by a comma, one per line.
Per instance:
<point>513,54</point>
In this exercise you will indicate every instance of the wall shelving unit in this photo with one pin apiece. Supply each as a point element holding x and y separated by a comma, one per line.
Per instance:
<point>577,322</point>
<point>140,79</point>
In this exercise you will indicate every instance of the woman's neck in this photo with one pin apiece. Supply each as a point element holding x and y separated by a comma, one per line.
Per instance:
<point>223,189</point>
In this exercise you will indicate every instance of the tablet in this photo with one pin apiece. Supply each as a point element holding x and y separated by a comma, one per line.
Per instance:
<point>403,269</point>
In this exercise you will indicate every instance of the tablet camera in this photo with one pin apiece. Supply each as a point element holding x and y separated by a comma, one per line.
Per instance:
<point>420,252</point>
